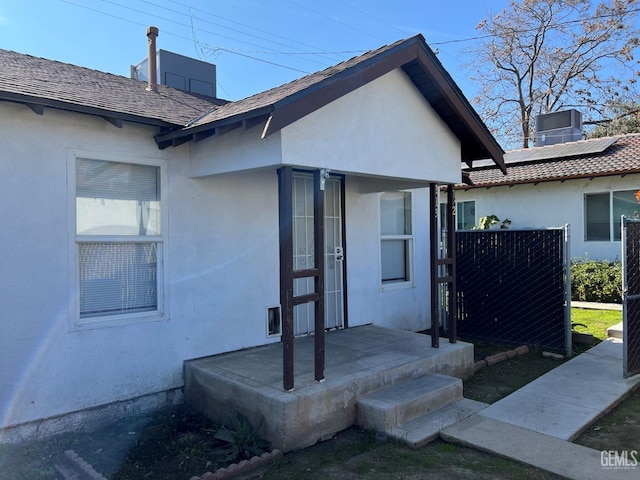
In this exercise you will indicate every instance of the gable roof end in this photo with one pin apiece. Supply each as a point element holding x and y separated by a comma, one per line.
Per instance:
<point>283,105</point>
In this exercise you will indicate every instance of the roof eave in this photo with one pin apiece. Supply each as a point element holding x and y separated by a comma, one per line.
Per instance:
<point>299,104</point>
<point>182,135</point>
<point>31,101</point>
<point>465,112</point>
<point>547,179</point>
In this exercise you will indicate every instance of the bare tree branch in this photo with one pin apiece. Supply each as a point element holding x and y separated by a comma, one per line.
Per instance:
<point>540,56</point>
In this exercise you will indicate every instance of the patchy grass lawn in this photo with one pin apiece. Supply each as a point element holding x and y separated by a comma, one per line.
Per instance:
<point>490,384</point>
<point>353,454</point>
<point>178,443</point>
<point>596,321</point>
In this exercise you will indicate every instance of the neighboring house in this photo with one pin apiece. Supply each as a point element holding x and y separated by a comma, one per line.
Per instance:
<point>587,184</point>
<point>141,227</point>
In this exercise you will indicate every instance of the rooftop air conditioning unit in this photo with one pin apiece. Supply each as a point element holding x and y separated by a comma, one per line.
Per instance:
<point>558,127</point>
<point>177,71</point>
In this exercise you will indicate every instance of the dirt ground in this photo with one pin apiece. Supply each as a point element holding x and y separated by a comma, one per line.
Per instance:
<point>618,430</point>
<point>178,444</point>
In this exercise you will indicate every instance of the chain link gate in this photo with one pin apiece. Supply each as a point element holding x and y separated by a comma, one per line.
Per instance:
<point>631,296</point>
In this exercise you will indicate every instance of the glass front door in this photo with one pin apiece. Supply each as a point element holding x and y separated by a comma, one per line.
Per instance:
<point>303,252</point>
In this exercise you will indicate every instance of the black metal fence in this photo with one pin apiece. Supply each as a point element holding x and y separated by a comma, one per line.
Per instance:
<point>511,286</point>
<point>631,296</point>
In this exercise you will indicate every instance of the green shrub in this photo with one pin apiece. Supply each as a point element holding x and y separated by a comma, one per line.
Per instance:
<point>242,440</point>
<point>596,281</point>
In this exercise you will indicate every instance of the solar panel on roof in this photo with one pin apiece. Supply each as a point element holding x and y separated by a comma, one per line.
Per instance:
<point>561,150</point>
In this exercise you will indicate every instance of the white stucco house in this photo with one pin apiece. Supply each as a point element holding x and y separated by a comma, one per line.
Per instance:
<point>143,226</point>
<point>587,184</point>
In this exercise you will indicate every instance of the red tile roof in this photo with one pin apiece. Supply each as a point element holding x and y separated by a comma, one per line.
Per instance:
<point>621,157</point>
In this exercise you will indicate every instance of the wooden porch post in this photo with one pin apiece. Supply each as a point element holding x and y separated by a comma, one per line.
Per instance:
<point>448,262</point>
<point>285,210</point>
<point>318,224</point>
<point>451,254</point>
<point>433,263</point>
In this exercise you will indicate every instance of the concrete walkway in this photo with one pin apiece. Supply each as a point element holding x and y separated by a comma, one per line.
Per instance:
<point>597,306</point>
<point>535,424</point>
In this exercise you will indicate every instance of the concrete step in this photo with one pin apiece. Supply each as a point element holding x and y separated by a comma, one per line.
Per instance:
<point>426,428</point>
<point>615,331</point>
<point>392,406</point>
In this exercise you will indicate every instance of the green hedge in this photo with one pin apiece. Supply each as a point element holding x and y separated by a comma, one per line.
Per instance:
<point>596,281</point>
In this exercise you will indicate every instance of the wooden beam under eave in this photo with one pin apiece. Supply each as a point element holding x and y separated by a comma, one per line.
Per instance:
<point>165,144</point>
<point>198,137</point>
<point>180,140</point>
<point>35,108</point>
<point>116,122</point>
<point>224,129</point>
<point>249,123</point>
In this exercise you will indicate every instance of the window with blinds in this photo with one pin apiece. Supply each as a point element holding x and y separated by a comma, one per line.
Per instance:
<point>118,237</point>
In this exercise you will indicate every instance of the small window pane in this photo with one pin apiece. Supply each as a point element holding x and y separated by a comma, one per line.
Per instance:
<point>117,278</point>
<point>466,215</point>
<point>394,260</point>
<point>624,203</point>
<point>395,213</point>
<point>597,217</point>
<point>117,198</point>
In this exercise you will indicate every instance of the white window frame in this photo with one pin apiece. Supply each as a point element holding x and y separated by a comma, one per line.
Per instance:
<point>443,212</point>
<point>612,219</point>
<point>408,238</point>
<point>161,313</point>
<point>460,209</point>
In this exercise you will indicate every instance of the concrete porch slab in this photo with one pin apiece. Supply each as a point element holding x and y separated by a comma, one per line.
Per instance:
<point>359,361</point>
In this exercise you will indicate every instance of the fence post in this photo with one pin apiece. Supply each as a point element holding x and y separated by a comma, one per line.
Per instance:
<point>567,290</point>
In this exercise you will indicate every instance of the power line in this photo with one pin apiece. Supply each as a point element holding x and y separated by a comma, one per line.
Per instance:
<point>167,32</point>
<point>336,21</point>
<point>319,51</point>
<point>526,30</point>
<point>191,16</point>
<point>364,12</point>
<point>261,51</point>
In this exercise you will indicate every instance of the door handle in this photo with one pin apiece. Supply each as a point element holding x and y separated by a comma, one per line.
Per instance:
<point>339,254</point>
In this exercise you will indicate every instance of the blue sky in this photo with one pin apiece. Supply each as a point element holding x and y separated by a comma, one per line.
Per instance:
<point>286,38</point>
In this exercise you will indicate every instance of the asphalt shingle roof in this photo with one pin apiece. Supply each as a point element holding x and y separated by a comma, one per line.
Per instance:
<point>621,157</point>
<point>42,83</point>
<point>47,80</point>
<point>270,97</point>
